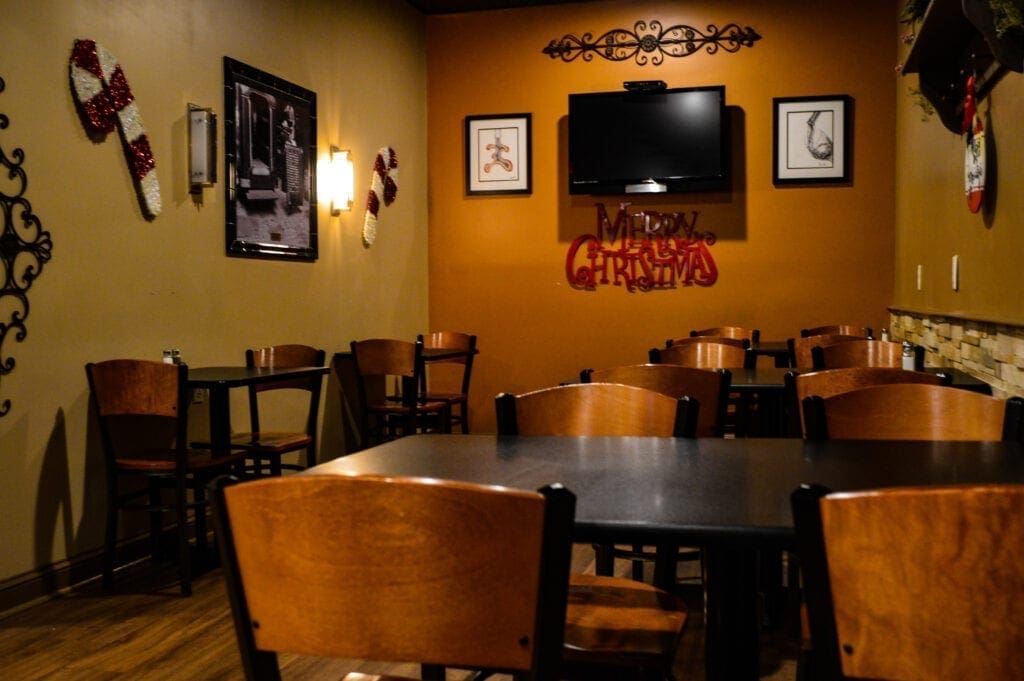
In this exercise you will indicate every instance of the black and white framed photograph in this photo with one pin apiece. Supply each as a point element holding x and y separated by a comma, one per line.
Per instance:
<point>270,159</point>
<point>498,154</point>
<point>812,140</point>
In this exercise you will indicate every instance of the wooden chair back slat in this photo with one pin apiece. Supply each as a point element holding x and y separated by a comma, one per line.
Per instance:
<point>829,382</point>
<point>710,387</point>
<point>752,335</point>
<point>907,411</point>
<point>738,342</point>
<point>704,355</point>
<point>596,409</point>
<point>129,387</point>
<point>800,349</point>
<point>915,583</point>
<point>864,353</point>
<point>462,574</point>
<point>838,329</point>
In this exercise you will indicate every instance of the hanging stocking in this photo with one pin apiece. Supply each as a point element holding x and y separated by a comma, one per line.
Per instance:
<point>383,186</point>
<point>106,102</point>
<point>974,158</point>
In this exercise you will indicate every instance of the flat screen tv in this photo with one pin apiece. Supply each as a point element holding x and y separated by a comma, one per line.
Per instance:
<point>669,140</point>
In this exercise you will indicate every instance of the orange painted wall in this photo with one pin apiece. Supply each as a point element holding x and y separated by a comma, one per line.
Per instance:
<point>787,258</point>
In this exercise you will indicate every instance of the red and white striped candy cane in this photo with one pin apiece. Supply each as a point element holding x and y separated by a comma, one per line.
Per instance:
<point>105,101</point>
<point>383,186</point>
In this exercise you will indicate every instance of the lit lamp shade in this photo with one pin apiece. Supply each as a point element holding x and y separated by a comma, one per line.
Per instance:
<point>342,180</point>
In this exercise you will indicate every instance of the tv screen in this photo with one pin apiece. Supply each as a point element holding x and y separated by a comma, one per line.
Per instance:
<point>659,141</point>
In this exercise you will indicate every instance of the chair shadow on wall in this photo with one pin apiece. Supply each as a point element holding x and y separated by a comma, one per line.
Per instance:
<point>724,213</point>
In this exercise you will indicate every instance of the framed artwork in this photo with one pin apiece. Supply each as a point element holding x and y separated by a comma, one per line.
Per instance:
<point>812,140</point>
<point>498,154</point>
<point>270,162</point>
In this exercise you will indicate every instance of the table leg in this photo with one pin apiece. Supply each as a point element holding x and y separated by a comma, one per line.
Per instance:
<point>220,420</point>
<point>731,638</point>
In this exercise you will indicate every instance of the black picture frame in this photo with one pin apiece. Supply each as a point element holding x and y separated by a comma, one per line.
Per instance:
<point>270,163</point>
<point>812,140</point>
<point>498,154</point>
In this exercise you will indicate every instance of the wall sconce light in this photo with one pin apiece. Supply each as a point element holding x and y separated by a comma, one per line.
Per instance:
<point>343,190</point>
<point>202,139</point>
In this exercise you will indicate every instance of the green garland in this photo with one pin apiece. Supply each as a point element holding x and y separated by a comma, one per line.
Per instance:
<point>1008,16</point>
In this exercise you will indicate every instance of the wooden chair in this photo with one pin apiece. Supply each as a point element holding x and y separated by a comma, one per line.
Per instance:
<point>864,353</point>
<point>448,380</point>
<point>462,575</point>
<point>738,342</point>
<point>612,622</point>
<point>269,446</point>
<point>752,335</point>
<point>800,349</point>
<point>142,409</point>
<point>912,411</point>
<point>709,387</point>
<point>596,409</point>
<point>913,583</point>
<point>838,330</point>
<point>714,355</point>
<point>386,416</point>
<point>829,382</point>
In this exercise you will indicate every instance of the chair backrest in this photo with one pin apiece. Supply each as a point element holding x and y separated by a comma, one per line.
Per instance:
<point>710,387</point>
<point>838,330</point>
<point>596,409</point>
<point>454,374</point>
<point>462,575</point>
<point>377,359</point>
<point>914,583</point>
<point>752,335</point>
<point>829,382</point>
<point>800,349</point>
<point>738,342</point>
<point>286,356</point>
<point>704,355</point>
<point>912,411</point>
<point>140,403</point>
<point>864,353</point>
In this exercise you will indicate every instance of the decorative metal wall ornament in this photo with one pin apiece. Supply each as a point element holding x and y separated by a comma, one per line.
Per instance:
<point>24,247</point>
<point>620,44</point>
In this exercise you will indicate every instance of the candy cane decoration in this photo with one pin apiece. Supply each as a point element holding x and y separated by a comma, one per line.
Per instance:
<point>382,186</point>
<point>105,101</point>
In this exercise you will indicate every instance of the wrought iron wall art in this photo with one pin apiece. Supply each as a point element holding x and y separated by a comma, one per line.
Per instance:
<point>650,42</point>
<point>24,247</point>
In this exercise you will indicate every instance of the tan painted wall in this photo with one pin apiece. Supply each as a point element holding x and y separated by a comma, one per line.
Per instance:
<point>121,286</point>
<point>934,224</point>
<point>787,258</point>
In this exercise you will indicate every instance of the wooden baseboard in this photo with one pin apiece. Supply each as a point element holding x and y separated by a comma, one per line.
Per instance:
<point>24,590</point>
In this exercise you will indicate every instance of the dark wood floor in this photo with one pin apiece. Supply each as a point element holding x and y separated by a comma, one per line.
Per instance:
<point>145,630</point>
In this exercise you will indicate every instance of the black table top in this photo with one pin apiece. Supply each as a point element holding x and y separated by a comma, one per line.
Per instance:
<point>705,491</point>
<point>233,376</point>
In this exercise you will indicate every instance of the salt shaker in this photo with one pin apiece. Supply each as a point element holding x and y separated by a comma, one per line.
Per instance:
<point>885,334</point>
<point>908,356</point>
<point>168,357</point>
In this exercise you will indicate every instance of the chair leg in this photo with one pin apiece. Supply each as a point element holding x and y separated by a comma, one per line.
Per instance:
<point>110,535</point>
<point>155,519</point>
<point>199,496</point>
<point>184,560</point>
<point>604,559</point>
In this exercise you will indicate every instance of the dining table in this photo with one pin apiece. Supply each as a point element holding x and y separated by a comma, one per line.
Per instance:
<point>219,380</point>
<point>728,496</point>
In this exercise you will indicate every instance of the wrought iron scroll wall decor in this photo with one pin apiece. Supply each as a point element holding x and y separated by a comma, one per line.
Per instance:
<point>650,42</point>
<point>24,247</point>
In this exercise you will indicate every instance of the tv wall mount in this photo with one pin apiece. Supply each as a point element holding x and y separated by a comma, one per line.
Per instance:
<point>650,42</point>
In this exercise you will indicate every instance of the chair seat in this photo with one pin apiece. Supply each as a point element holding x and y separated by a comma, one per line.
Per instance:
<point>275,442</point>
<point>620,618</point>
<point>162,461</point>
